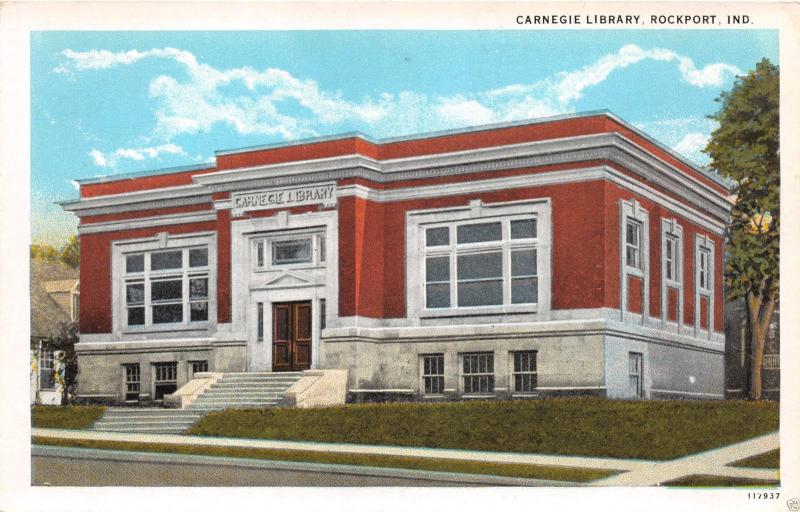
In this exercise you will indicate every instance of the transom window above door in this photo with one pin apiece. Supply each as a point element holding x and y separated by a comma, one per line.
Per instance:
<point>306,249</point>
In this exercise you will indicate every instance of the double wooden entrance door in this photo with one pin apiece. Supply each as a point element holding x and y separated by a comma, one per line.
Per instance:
<point>291,336</point>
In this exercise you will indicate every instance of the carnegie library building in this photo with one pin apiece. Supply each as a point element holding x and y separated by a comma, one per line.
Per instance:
<point>567,255</point>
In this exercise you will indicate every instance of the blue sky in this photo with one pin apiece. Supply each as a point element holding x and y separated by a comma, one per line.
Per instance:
<point>104,103</point>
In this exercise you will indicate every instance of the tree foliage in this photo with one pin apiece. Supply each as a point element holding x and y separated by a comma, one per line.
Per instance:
<point>69,254</point>
<point>745,148</point>
<point>44,252</point>
<point>65,343</point>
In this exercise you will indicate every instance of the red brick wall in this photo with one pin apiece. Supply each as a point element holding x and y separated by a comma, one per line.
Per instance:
<point>95,304</point>
<point>672,304</point>
<point>372,279</point>
<point>613,194</point>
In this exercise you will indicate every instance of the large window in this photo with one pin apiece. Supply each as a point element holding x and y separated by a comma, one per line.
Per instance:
<point>481,263</point>
<point>167,287</point>
<point>478,373</point>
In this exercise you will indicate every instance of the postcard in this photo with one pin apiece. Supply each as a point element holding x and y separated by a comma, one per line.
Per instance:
<point>321,254</point>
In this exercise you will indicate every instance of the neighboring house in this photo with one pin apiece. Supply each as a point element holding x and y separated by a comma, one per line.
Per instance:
<point>54,306</point>
<point>568,255</point>
<point>737,365</point>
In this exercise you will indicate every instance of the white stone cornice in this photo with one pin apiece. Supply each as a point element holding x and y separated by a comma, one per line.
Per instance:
<point>286,169</point>
<point>533,180</point>
<point>147,222</point>
<point>608,146</point>
<point>138,200</point>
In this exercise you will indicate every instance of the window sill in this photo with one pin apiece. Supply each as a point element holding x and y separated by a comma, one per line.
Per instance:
<point>477,397</point>
<point>633,271</point>
<point>295,266</point>
<point>199,326</point>
<point>485,310</point>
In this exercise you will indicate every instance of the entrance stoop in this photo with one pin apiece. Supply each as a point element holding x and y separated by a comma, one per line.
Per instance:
<point>210,391</point>
<point>244,391</point>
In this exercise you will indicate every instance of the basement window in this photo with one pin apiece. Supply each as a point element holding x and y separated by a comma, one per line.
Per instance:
<point>478,373</point>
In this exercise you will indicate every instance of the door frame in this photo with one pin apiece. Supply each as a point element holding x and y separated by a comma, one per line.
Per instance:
<point>247,285</point>
<point>293,329</point>
<point>262,361</point>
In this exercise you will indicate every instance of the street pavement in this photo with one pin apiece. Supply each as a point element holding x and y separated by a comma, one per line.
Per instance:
<point>66,466</point>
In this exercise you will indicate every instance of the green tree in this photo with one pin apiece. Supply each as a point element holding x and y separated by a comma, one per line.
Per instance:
<point>44,252</point>
<point>745,148</point>
<point>71,252</point>
<point>65,343</point>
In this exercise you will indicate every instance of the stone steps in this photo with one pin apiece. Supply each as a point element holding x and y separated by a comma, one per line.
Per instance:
<point>245,391</point>
<point>232,391</point>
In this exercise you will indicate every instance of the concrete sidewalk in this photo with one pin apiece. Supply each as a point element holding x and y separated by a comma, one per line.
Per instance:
<point>712,462</point>
<point>430,453</point>
<point>634,472</point>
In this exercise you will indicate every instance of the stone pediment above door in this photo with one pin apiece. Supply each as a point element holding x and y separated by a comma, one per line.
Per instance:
<point>287,279</point>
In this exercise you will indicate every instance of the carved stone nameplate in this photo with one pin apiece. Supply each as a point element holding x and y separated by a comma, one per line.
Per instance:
<point>284,197</point>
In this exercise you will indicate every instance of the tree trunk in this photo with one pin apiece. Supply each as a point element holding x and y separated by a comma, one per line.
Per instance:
<point>760,309</point>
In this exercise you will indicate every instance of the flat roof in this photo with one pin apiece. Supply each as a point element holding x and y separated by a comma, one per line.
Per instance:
<point>711,174</point>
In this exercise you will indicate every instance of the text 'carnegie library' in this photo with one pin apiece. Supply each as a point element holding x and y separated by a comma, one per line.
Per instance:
<point>272,198</point>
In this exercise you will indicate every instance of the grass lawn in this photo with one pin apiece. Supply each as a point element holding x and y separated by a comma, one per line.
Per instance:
<point>454,466</point>
<point>769,460</point>
<point>719,481</point>
<point>567,426</point>
<point>69,417</point>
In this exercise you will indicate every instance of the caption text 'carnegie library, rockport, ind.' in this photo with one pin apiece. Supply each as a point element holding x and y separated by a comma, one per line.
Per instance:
<point>632,19</point>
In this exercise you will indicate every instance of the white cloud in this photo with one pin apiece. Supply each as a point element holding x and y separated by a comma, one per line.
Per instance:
<point>98,158</point>
<point>111,159</point>
<point>688,136</point>
<point>691,143</point>
<point>275,102</point>
<point>462,111</point>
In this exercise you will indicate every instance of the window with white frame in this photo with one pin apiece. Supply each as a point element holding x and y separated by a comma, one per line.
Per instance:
<point>525,374</point>
<point>478,373</point>
<point>47,378</point>
<point>633,244</point>
<point>433,374</point>
<point>489,262</point>
<point>295,250</point>
<point>704,262</point>
<point>672,271</point>
<point>169,286</point>
<point>672,262</point>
